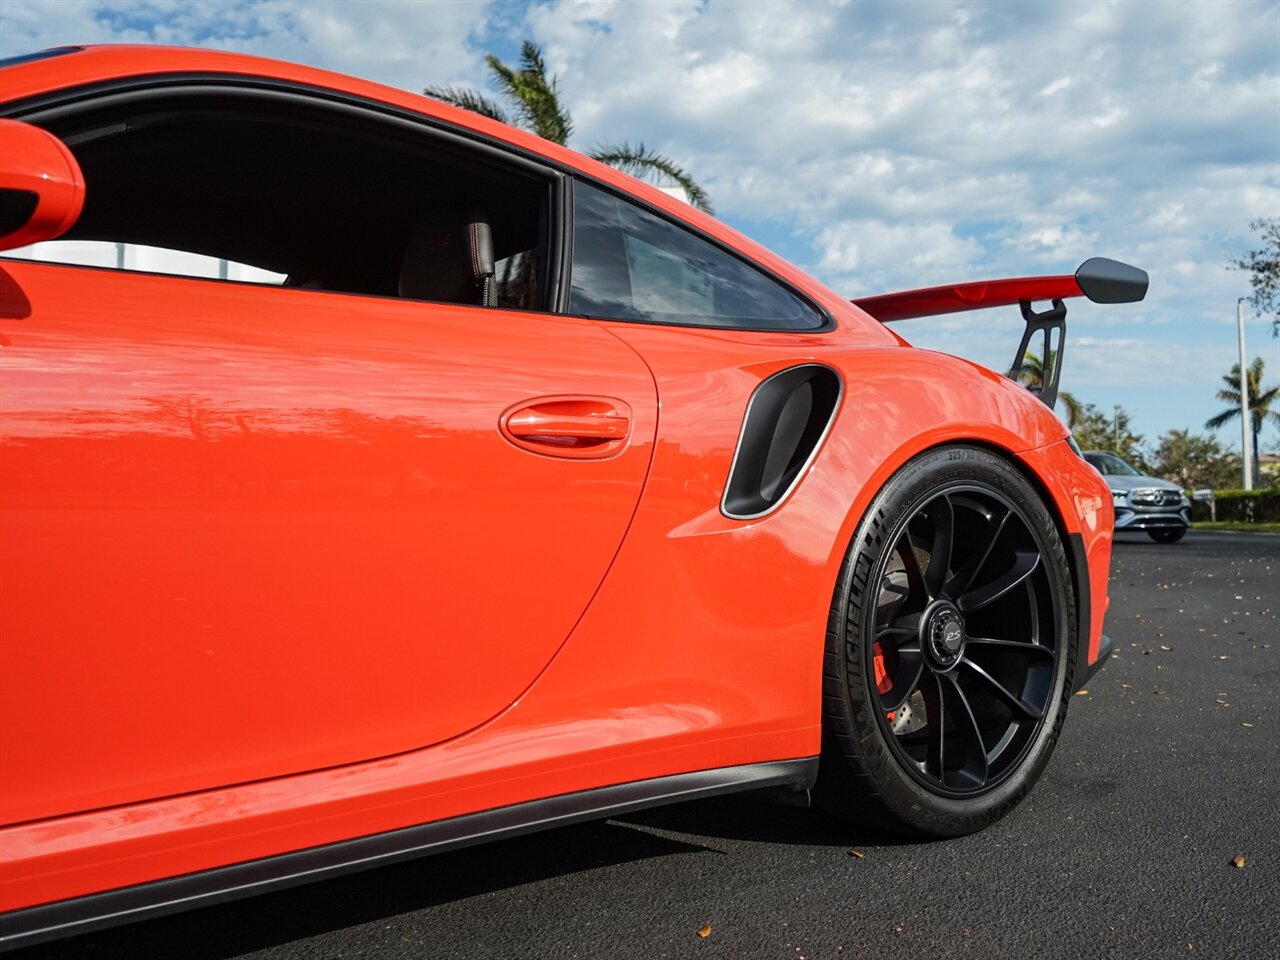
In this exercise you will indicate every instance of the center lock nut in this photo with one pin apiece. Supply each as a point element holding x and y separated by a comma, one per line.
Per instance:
<point>944,634</point>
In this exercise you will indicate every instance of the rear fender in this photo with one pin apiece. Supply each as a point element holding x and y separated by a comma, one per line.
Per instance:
<point>901,403</point>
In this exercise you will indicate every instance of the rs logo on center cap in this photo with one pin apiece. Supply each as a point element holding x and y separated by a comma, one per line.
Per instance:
<point>951,637</point>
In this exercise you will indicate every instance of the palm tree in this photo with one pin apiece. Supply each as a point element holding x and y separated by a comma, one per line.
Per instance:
<point>1260,402</point>
<point>1031,375</point>
<point>536,107</point>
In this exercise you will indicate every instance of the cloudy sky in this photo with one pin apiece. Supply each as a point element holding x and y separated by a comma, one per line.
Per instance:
<point>880,145</point>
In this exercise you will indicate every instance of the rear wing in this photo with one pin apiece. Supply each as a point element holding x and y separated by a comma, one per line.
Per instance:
<point>1099,279</point>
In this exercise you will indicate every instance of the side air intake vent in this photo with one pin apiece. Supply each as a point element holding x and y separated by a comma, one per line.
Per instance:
<point>787,418</point>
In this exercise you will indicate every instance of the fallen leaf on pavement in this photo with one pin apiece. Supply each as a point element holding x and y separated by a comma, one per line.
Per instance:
<point>857,853</point>
<point>705,932</point>
<point>1165,646</point>
<point>1238,862</point>
<point>1082,693</point>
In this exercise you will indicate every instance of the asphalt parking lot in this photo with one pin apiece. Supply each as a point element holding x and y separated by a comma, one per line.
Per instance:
<point>1165,774</point>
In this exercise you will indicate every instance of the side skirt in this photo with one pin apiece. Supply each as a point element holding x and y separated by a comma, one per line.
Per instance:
<point>32,925</point>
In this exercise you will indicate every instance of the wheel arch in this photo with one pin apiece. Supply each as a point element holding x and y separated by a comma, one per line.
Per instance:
<point>982,410</point>
<point>1003,444</point>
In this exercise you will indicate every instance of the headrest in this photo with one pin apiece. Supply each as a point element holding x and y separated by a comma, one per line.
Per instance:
<point>449,257</point>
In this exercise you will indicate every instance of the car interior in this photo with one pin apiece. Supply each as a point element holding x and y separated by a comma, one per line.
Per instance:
<point>334,199</point>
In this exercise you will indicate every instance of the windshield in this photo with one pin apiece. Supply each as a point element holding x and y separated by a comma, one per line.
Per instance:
<point>1110,465</point>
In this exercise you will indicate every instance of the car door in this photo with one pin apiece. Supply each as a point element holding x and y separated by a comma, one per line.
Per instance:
<point>251,530</point>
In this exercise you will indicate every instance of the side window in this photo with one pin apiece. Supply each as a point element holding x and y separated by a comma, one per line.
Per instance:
<point>629,264</point>
<point>289,191</point>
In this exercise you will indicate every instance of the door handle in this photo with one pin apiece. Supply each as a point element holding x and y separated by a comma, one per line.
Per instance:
<point>574,427</point>
<point>534,422</point>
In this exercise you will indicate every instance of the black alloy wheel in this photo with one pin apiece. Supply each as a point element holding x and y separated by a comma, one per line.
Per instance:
<point>949,649</point>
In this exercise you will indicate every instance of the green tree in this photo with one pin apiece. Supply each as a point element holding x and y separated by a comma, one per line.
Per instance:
<point>534,101</point>
<point>1195,460</point>
<point>1263,267</point>
<point>1097,430</point>
<point>1032,375</point>
<point>1260,402</point>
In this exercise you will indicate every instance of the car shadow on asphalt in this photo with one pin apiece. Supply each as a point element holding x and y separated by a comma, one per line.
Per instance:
<point>751,819</point>
<point>258,923</point>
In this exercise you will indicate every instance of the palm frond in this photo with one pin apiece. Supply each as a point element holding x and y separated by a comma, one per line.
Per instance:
<point>1222,419</point>
<point>536,97</point>
<point>504,78</point>
<point>639,161</point>
<point>1031,373</point>
<point>1073,407</point>
<point>467,99</point>
<point>1260,400</point>
<point>551,120</point>
<point>534,101</point>
<point>531,59</point>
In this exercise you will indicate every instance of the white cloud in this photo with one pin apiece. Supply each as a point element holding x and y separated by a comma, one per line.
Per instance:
<point>405,43</point>
<point>1057,86</point>
<point>1145,361</point>
<point>860,253</point>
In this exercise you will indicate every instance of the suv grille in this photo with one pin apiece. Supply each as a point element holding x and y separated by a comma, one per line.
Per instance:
<point>1156,498</point>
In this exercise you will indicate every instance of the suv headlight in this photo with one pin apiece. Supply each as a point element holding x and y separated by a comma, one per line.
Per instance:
<point>1119,496</point>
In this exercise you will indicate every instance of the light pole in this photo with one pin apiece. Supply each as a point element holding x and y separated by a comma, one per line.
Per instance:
<point>1115,427</point>
<point>1246,438</point>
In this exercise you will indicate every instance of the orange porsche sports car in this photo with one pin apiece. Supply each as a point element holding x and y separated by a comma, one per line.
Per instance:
<point>481,488</point>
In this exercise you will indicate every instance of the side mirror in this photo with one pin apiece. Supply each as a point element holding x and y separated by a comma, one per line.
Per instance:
<point>41,186</point>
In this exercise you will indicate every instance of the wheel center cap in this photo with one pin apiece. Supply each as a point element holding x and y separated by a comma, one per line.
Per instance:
<point>943,633</point>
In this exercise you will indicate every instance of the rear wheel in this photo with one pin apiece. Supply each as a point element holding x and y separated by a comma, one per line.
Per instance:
<point>1167,535</point>
<point>949,649</point>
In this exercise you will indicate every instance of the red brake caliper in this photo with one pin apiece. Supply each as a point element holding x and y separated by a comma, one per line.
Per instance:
<point>883,683</point>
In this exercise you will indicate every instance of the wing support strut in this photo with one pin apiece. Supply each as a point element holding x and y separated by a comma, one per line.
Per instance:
<point>1046,323</point>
